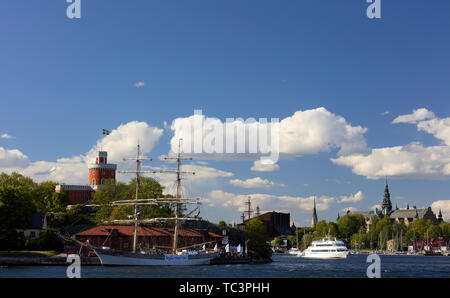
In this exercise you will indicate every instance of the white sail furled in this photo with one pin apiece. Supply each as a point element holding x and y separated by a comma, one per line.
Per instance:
<point>227,248</point>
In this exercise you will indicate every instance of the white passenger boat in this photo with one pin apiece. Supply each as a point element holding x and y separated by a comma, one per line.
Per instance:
<point>325,249</point>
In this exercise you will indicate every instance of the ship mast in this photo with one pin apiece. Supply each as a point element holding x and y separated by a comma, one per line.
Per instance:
<point>178,194</point>
<point>178,201</point>
<point>138,171</point>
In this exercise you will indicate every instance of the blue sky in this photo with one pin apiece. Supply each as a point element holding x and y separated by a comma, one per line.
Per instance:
<point>63,80</point>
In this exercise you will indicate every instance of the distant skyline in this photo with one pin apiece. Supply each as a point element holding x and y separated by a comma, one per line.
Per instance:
<point>357,99</point>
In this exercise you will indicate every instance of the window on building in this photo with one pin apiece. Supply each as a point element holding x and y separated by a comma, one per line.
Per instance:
<point>103,181</point>
<point>93,182</point>
<point>33,234</point>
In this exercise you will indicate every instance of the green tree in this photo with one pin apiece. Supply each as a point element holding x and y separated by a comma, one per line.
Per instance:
<point>257,239</point>
<point>321,228</point>
<point>222,224</point>
<point>111,191</point>
<point>276,242</point>
<point>445,229</point>
<point>350,224</point>
<point>16,204</point>
<point>77,215</point>
<point>46,199</point>
<point>307,239</point>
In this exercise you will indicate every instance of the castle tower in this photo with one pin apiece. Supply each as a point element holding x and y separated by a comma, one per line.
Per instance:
<point>314,216</point>
<point>100,171</point>
<point>386,206</point>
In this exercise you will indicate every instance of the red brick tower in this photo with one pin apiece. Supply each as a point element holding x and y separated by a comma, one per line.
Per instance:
<point>100,171</point>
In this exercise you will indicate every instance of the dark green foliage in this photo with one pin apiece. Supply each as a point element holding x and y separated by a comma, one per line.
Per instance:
<point>258,239</point>
<point>110,192</point>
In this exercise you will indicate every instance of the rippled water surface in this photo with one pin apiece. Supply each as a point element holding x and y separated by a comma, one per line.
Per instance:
<point>283,266</point>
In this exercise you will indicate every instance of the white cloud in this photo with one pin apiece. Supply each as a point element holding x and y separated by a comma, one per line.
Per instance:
<point>407,161</point>
<point>318,130</point>
<point>12,159</point>
<point>256,182</point>
<point>352,198</point>
<point>385,113</point>
<point>203,176</point>
<point>6,136</point>
<point>305,132</point>
<point>139,84</point>
<point>439,128</point>
<point>74,170</point>
<point>417,115</point>
<point>268,202</point>
<point>444,206</point>
<point>259,166</point>
<point>410,161</point>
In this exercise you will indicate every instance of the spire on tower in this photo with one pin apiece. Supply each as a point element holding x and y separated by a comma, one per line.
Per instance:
<point>314,215</point>
<point>386,206</point>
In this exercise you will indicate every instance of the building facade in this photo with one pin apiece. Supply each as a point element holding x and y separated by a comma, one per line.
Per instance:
<point>120,237</point>
<point>276,224</point>
<point>99,173</point>
<point>405,215</point>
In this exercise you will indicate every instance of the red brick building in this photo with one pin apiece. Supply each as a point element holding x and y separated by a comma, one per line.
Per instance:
<point>121,237</point>
<point>99,172</point>
<point>78,194</point>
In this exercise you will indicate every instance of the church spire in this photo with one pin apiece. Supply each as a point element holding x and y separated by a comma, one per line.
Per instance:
<point>314,216</point>
<point>386,206</point>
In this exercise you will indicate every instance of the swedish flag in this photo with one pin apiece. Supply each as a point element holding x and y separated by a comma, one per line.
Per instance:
<point>106,132</point>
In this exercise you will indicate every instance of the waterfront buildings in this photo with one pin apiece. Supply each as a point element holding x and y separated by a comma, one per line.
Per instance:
<point>405,215</point>
<point>120,237</point>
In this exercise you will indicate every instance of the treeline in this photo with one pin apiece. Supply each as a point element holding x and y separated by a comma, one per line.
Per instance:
<point>352,229</point>
<point>20,197</point>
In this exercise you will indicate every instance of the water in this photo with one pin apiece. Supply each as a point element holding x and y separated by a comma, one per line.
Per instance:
<point>288,266</point>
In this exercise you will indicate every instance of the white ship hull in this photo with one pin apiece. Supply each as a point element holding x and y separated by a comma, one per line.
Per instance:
<point>117,258</point>
<point>326,249</point>
<point>325,255</point>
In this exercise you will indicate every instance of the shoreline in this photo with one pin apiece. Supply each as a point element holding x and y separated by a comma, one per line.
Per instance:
<point>95,261</point>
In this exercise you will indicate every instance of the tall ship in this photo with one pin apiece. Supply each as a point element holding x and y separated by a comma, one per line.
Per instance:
<point>326,249</point>
<point>178,256</point>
